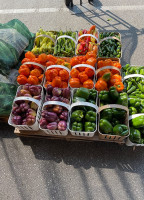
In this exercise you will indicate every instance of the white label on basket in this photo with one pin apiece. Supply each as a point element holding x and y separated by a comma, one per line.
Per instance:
<point>86,35</point>
<point>113,106</point>
<point>107,38</point>
<point>133,76</point>
<point>135,115</point>
<point>56,103</point>
<point>107,67</point>
<point>58,66</point>
<point>84,65</point>
<point>84,104</point>
<point>47,37</point>
<point>67,36</point>
<point>28,99</point>
<point>34,63</point>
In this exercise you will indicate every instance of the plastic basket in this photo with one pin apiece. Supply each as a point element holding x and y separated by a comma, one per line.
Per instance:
<point>86,35</point>
<point>111,37</point>
<point>108,137</point>
<point>56,66</point>
<point>128,142</point>
<point>82,133</point>
<point>85,65</point>
<point>39,65</point>
<point>33,127</point>
<point>56,132</point>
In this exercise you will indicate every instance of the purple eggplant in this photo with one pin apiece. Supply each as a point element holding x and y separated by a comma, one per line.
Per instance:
<point>57,91</point>
<point>62,125</point>
<point>49,116</point>
<point>66,93</point>
<point>52,126</point>
<point>17,120</point>
<point>49,89</point>
<point>43,123</point>
<point>64,115</point>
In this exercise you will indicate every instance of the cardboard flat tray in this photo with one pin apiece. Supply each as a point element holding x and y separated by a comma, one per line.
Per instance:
<point>69,137</point>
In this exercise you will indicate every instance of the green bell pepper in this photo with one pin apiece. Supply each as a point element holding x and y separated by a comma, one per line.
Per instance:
<point>90,126</point>
<point>105,126</point>
<point>82,92</point>
<point>123,99</point>
<point>135,135</point>
<point>92,94</point>
<point>90,116</point>
<point>106,114</point>
<point>120,129</point>
<point>113,93</point>
<point>104,96</point>
<point>132,110</point>
<point>115,121</point>
<point>138,121</point>
<point>118,113</point>
<point>77,126</point>
<point>77,115</point>
<point>78,99</point>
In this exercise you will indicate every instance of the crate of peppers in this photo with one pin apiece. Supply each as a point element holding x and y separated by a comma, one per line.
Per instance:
<point>134,86</point>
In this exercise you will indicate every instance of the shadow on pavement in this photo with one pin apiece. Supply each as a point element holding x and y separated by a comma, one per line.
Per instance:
<point>112,22</point>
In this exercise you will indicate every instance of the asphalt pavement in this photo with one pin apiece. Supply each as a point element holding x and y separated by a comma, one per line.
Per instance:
<point>41,169</point>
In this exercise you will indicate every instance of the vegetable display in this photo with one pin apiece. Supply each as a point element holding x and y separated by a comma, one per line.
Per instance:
<point>111,47</point>
<point>83,119</point>
<point>84,95</point>
<point>65,47</point>
<point>57,94</point>
<point>87,43</point>
<point>112,122</point>
<point>44,44</point>
<point>54,117</point>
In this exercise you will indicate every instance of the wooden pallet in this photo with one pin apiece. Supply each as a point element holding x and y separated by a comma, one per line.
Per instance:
<point>69,137</point>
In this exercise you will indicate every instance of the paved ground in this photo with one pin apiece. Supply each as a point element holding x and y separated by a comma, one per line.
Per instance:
<point>36,169</point>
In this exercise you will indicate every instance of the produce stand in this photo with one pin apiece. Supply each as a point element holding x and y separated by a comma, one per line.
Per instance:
<point>72,87</point>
